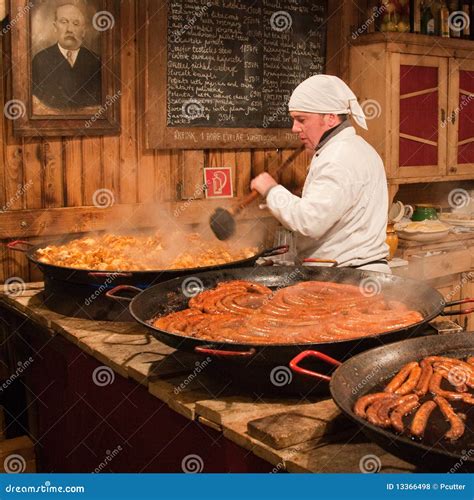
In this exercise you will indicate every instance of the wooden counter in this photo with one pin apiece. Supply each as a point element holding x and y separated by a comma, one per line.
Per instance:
<point>297,435</point>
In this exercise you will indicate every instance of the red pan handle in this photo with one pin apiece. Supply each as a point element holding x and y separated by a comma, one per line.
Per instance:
<point>112,294</point>
<point>312,354</point>
<point>20,245</point>
<point>207,349</point>
<point>106,274</point>
<point>455,303</point>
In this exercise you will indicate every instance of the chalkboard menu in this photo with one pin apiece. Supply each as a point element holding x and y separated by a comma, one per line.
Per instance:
<point>229,65</point>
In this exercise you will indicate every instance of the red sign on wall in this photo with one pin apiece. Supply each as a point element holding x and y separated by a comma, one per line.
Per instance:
<point>219,182</point>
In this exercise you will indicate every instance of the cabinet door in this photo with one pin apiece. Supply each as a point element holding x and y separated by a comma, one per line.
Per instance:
<point>461,117</point>
<point>419,100</point>
<point>468,292</point>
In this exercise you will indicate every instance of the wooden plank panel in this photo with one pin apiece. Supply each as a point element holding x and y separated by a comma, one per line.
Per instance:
<point>53,194</point>
<point>243,161</point>
<point>128,138</point>
<point>163,184</point>
<point>258,162</point>
<point>33,172</point>
<point>93,189</point>
<point>111,165</point>
<point>192,164</point>
<point>73,171</point>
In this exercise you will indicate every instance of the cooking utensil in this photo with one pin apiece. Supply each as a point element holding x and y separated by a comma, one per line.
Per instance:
<point>173,295</point>
<point>222,221</point>
<point>367,372</point>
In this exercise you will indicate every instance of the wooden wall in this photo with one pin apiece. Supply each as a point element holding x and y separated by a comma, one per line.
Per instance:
<point>47,185</point>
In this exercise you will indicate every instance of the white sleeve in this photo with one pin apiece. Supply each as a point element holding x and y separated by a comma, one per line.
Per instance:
<point>327,198</point>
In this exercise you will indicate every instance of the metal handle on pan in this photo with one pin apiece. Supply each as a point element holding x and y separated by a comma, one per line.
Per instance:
<point>276,251</point>
<point>455,303</point>
<point>208,349</point>
<point>104,274</point>
<point>19,245</point>
<point>312,354</point>
<point>112,294</point>
<point>322,261</point>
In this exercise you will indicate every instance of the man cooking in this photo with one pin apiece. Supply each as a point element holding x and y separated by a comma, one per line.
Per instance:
<point>342,213</point>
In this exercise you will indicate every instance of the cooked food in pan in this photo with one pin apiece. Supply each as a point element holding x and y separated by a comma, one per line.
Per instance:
<point>311,311</point>
<point>415,392</point>
<point>141,253</point>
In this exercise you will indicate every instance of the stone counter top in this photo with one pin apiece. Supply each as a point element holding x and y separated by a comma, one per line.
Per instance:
<point>293,434</point>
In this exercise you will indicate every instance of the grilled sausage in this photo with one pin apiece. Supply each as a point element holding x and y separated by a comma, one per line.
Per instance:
<point>457,425</point>
<point>401,376</point>
<point>421,417</point>
<point>435,388</point>
<point>364,402</point>
<point>378,412</point>
<point>411,381</point>
<point>424,381</point>
<point>403,409</point>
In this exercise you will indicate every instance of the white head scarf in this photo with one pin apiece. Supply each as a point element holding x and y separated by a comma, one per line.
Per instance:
<point>326,94</point>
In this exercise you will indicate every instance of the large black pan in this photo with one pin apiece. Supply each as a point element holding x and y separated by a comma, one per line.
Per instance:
<point>365,373</point>
<point>171,296</point>
<point>141,279</point>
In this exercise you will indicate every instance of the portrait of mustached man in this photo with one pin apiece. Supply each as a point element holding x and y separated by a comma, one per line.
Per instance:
<point>67,74</point>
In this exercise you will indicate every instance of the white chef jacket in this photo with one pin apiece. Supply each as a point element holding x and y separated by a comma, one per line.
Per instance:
<point>342,213</point>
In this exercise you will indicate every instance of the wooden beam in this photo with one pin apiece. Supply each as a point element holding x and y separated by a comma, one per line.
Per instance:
<point>16,224</point>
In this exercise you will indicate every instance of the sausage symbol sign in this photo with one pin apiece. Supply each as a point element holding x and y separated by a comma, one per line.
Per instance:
<point>219,182</point>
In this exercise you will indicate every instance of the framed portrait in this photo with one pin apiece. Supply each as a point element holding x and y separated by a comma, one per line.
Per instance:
<point>65,67</point>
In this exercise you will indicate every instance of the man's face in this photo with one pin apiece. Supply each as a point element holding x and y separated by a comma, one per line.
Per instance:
<point>311,126</point>
<point>70,27</point>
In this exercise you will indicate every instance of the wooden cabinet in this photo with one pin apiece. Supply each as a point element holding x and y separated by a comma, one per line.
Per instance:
<point>468,292</point>
<point>419,100</point>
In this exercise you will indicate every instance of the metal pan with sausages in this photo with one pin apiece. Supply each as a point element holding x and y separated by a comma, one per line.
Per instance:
<point>168,297</point>
<point>432,441</point>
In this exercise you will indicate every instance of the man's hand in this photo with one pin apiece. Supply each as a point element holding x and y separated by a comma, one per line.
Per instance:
<point>263,183</point>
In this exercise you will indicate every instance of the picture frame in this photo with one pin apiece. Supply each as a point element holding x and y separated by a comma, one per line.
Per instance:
<point>65,67</point>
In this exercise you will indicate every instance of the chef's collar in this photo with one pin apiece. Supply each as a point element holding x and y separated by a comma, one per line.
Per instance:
<point>332,132</point>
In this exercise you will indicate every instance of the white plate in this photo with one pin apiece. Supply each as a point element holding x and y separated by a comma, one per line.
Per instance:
<point>458,222</point>
<point>422,235</point>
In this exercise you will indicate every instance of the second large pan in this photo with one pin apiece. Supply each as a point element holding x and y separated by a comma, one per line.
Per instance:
<point>169,296</point>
